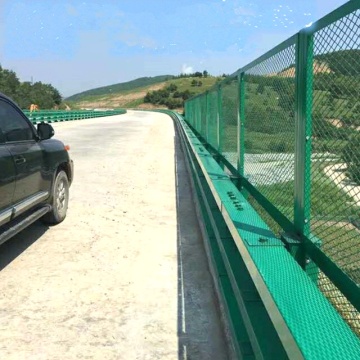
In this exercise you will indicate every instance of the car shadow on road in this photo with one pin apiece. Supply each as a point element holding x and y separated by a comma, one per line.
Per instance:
<point>200,332</point>
<point>14,247</point>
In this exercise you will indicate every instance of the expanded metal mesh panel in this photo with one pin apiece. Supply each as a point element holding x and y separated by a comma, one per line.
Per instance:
<point>331,116</point>
<point>335,162</point>
<point>203,116</point>
<point>229,119</point>
<point>194,114</point>
<point>197,114</point>
<point>213,118</point>
<point>270,222</point>
<point>270,128</point>
<point>339,301</point>
<point>190,112</point>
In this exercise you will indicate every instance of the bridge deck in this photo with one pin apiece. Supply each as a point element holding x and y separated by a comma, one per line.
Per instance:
<point>125,276</point>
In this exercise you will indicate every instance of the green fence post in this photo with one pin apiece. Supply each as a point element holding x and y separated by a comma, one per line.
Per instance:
<point>220,127</point>
<point>303,133</point>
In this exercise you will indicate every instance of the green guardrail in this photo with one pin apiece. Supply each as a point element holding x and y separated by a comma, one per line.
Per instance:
<point>287,126</point>
<point>56,116</point>
<point>274,309</point>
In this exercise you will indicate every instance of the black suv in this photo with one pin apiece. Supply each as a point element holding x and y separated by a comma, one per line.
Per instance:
<point>35,172</point>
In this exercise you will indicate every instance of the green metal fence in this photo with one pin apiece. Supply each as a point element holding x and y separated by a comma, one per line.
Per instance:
<point>288,125</point>
<point>60,115</point>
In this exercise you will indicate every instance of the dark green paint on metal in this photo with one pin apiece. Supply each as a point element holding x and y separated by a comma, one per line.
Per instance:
<point>290,280</point>
<point>241,124</point>
<point>303,123</point>
<point>303,132</point>
<point>239,293</point>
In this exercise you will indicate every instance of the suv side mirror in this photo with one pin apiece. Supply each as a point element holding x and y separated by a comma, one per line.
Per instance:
<point>45,131</point>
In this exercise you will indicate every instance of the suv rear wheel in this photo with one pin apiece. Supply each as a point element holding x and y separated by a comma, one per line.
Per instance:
<point>60,200</point>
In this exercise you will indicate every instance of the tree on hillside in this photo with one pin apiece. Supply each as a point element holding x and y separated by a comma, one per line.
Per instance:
<point>187,94</point>
<point>9,82</point>
<point>23,96</point>
<point>25,93</point>
<point>172,87</point>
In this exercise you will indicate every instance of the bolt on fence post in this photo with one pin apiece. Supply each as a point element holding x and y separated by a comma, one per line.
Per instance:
<point>220,127</point>
<point>241,125</point>
<point>303,133</point>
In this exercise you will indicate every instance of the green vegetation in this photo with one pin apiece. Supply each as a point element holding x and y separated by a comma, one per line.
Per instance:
<point>135,98</point>
<point>26,93</point>
<point>326,199</point>
<point>196,83</point>
<point>170,97</point>
<point>344,62</point>
<point>196,74</point>
<point>180,89</point>
<point>351,155</point>
<point>270,123</point>
<point>116,88</point>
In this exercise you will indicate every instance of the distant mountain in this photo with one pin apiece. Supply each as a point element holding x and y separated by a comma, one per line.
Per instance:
<point>115,88</point>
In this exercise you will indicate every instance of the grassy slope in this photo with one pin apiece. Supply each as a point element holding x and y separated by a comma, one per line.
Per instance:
<point>132,98</point>
<point>115,88</point>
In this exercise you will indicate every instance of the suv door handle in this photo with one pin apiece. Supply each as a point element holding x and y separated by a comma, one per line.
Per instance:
<point>20,160</point>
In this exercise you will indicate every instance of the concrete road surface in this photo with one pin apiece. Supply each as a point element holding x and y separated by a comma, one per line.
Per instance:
<point>125,275</point>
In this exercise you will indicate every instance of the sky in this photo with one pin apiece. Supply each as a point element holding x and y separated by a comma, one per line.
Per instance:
<point>80,45</point>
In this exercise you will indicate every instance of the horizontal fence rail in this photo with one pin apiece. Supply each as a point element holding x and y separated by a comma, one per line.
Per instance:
<point>59,115</point>
<point>287,128</point>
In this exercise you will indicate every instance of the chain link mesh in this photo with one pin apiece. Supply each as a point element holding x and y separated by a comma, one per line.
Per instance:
<point>203,110</point>
<point>270,128</point>
<point>229,119</point>
<point>213,118</point>
<point>335,163</point>
<point>269,145</point>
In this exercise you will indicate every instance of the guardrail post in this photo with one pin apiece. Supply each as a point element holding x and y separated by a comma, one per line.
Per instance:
<point>303,134</point>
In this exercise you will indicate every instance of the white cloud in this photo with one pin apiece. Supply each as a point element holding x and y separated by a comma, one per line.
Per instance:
<point>186,69</point>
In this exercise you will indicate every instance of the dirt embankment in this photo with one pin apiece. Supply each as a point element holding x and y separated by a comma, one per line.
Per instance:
<point>120,100</point>
<point>318,67</point>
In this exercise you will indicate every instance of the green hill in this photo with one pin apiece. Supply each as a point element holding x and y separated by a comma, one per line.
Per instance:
<point>116,88</point>
<point>134,98</point>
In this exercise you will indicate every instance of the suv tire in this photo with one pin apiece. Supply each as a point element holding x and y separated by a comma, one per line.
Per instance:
<point>59,200</point>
